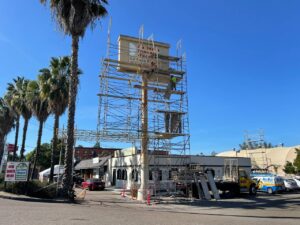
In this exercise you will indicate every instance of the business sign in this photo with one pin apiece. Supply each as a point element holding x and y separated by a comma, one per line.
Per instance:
<point>11,147</point>
<point>134,53</point>
<point>16,171</point>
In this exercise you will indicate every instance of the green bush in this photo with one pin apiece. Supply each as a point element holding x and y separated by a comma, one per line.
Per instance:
<point>1,178</point>
<point>31,188</point>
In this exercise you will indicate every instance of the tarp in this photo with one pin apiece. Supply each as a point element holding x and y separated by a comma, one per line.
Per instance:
<point>46,172</point>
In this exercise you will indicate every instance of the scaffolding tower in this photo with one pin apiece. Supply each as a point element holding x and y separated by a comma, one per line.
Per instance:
<point>259,159</point>
<point>120,96</point>
<point>143,99</point>
<point>137,97</point>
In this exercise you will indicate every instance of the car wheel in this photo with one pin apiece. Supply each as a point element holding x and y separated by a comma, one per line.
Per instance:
<point>270,191</point>
<point>90,188</point>
<point>252,190</point>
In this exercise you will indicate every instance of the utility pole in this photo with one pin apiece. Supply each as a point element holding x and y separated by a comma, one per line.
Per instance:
<point>142,193</point>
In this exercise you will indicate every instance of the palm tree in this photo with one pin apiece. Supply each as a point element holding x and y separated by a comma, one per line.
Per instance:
<point>16,96</point>
<point>12,98</point>
<point>7,118</point>
<point>39,108</point>
<point>55,90</point>
<point>73,17</point>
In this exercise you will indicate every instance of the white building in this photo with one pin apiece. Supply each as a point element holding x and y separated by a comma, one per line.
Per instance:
<point>124,168</point>
<point>44,175</point>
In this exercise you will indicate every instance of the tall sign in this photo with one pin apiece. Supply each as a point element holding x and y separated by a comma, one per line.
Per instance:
<point>16,171</point>
<point>135,54</point>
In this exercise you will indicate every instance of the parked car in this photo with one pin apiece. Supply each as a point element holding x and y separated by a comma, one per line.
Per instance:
<point>93,184</point>
<point>297,180</point>
<point>290,185</point>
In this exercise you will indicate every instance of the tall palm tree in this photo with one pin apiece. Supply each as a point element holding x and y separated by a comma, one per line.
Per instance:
<point>17,94</point>
<point>73,17</point>
<point>7,119</point>
<point>55,89</point>
<point>12,98</point>
<point>39,108</point>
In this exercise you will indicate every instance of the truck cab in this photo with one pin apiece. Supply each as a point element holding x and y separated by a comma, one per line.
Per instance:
<point>246,184</point>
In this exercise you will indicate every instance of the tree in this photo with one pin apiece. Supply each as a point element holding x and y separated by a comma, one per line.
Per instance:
<point>17,98</point>
<point>39,108</point>
<point>13,90</point>
<point>55,90</point>
<point>289,168</point>
<point>254,145</point>
<point>297,161</point>
<point>73,17</point>
<point>7,119</point>
<point>97,145</point>
<point>44,160</point>
<point>213,153</point>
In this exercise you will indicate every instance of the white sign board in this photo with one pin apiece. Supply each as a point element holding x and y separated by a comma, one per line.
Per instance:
<point>16,171</point>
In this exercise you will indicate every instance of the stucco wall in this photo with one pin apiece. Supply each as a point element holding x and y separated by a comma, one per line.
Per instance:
<point>271,156</point>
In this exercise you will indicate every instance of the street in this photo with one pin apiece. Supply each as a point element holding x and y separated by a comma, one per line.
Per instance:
<point>110,208</point>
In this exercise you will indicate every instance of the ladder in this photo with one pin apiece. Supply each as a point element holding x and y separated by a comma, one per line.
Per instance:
<point>212,184</point>
<point>204,187</point>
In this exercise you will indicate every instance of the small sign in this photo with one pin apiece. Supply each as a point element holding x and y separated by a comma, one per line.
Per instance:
<point>10,147</point>
<point>16,171</point>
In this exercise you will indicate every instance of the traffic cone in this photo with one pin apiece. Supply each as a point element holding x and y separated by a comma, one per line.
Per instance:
<point>148,197</point>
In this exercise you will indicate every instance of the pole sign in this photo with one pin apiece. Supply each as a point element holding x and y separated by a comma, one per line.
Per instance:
<point>10,147</point>
<point>16,171</point>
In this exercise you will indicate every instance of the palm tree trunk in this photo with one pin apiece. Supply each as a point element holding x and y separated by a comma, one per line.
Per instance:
<point>38,146</point>
<point>16,137</point>
<point>24,139</point>
<point>2,142</point>
<point>54,146</point>
<point>67,178</point>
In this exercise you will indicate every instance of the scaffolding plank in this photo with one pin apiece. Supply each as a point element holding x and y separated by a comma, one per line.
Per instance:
<point>159,89</point>
<point>144,68</point>
<point>170,111</point>
<point>131,98</point>
<point>170,58</point>
<point>160,135</point>
<point>119,78</point>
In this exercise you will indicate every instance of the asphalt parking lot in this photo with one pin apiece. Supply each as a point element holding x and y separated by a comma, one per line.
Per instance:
<point>108,207</point>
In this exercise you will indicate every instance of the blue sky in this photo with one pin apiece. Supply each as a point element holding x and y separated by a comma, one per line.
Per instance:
<point>243,62</point>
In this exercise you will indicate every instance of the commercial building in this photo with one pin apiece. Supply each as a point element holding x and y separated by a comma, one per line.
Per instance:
<point>272,159</point>
<point>123,169</point>
<point>82,153</point>
<point>92,168</point>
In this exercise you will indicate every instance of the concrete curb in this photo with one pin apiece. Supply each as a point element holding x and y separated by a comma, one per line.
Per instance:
<point>32,199</point>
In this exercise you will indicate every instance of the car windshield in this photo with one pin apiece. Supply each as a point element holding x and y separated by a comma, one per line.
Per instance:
<point>290,180</point>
